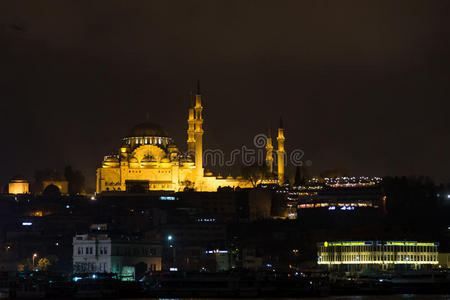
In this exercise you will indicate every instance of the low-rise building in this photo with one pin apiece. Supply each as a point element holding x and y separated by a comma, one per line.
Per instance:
<point>444,260</point>
<point>361,256</point>
<point>102,253</point>
<point>18,185</point>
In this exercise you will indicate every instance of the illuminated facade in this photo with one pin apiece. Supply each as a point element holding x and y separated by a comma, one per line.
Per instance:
<point>62,185</point>
<point>100,253</point>
<point>281,154</point>
<point>148,159</point>
<point>340,194</point>
<point>379,255</point>
<point>18,186</point>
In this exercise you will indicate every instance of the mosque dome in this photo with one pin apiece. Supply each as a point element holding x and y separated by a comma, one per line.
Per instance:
<point>111,161</point>
<point>147,129</point>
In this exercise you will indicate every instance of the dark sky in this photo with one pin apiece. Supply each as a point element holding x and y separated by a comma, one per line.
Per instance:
<point>361,85</point>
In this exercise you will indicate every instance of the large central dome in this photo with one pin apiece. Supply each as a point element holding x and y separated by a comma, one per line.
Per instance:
<point>147,129</point>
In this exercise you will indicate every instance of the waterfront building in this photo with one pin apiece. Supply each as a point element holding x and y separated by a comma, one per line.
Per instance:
<point>61,185</point>
<point>444,260</point>
<point>18,185</point>
<point>341,193</point>
<point>360,256</point>
<point>128,258</point>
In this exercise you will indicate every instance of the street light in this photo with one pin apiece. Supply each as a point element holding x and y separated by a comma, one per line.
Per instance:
<point>34,257</point>
<point>169,244</point>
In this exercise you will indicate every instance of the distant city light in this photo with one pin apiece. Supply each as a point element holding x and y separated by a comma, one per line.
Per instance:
<point>167,198</point>
<point>67,206</point>
<point>169,238</point>
<point>347,208</point>
<point>27,223</point>
<point>216,251</point>
<point>206,220</point>
<point>173,269</point>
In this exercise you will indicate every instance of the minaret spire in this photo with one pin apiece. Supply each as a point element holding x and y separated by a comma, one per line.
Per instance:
<point>281,153</point>
<point>191,126</point>
<point>198,133</point>
<point>269,151</point>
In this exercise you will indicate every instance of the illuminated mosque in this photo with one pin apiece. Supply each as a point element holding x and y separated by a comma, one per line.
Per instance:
<point>148,159</point>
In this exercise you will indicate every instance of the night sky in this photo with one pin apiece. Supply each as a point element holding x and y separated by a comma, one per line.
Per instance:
<point>362,85</point>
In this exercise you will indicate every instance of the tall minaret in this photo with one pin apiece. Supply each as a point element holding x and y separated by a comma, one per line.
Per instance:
<point>191,126</point>
<point>198,133</point>
<point>269,152</point>
<point>281,153</point>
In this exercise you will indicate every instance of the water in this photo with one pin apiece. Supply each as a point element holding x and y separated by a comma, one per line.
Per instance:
<point>365,297</point>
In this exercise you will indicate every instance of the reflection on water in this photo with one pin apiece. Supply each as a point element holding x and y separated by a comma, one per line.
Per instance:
<point>374,297</point>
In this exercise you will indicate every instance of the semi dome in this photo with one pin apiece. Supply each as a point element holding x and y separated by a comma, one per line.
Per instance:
<point>148,161</point>
<point>147,129</point>
<point>111,161</point>
<point>134,162</point>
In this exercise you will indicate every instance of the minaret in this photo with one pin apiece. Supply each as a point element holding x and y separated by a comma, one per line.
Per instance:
<point>269,152</point>
<point>191,126</point>
<point>198,133</point>
<point>281,153</point>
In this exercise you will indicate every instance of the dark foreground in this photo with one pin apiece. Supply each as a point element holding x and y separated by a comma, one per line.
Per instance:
<point>224,285</point>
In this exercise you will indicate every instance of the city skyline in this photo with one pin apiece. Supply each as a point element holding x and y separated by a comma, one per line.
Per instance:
<point>361,86</point>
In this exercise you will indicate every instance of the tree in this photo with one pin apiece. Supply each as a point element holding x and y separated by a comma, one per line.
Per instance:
<point>76,180</point>
<point>255,173</point>
<point>300,176</point>
<point>43,264</point>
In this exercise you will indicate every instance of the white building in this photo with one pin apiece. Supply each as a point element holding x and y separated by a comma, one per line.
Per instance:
<point>100,253</point>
